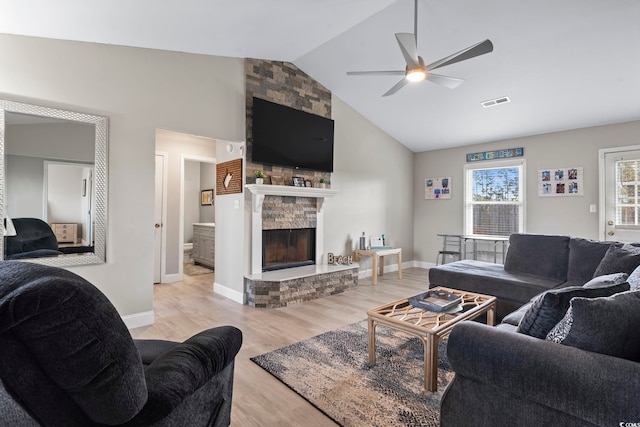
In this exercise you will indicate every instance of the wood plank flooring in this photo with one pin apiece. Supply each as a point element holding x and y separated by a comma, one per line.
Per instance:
<point>183,309</point>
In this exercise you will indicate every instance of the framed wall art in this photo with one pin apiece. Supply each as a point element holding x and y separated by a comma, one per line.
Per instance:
<point>560,182</point>
<point>437,188</point>
<point>206,197</point>
<point>229,177</point>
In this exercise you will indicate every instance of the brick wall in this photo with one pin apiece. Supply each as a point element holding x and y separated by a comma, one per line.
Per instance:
<point>283,83</point>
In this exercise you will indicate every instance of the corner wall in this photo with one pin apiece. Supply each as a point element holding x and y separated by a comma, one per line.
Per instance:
<point>545,215</point>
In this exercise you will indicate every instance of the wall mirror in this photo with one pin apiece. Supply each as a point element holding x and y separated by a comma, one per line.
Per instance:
<point>53,185</point>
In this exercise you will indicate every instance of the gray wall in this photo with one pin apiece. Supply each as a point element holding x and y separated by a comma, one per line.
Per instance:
<point>139,90</point>
<point>207,182</point>
<point>549,215</point>
<point>373,173</point>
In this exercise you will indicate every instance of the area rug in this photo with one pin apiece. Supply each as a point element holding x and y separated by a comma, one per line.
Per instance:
<point>195,270</point>
<point>331,372</point>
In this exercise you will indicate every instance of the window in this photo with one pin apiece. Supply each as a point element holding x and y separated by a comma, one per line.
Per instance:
<point>494,198</point>
<point>628,193</point>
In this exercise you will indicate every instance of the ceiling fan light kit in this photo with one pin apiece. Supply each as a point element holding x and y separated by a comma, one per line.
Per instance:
<point>416,70</point>
<point>416,75</point>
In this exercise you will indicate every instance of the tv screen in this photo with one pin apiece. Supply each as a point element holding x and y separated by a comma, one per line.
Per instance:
<point>284,136</point>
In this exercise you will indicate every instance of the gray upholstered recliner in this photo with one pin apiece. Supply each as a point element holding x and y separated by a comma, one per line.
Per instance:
<point>67,359</point>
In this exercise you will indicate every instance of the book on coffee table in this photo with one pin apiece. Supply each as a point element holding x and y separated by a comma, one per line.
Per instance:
<point>435,300</point>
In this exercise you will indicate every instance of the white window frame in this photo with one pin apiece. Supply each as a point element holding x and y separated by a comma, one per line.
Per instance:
<point>468,203</point>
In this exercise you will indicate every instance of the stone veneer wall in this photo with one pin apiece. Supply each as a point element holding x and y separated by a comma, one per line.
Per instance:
<point>285,84</point>
<point>282,212</point>
<point>273,294</point>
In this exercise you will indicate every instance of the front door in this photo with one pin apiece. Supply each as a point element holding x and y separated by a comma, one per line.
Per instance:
<point>621,219</point>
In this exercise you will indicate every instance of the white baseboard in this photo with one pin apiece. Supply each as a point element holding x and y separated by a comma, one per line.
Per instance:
<point>233,295</point>
<point>424,264</point>
<point>137,320</point>
<point>170,278</point>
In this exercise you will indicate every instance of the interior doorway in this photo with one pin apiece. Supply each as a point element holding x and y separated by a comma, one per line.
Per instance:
<point>197,205</point>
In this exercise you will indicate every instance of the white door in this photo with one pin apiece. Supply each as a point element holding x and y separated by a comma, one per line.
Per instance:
<point>621,219</point>
<point>157,218</point>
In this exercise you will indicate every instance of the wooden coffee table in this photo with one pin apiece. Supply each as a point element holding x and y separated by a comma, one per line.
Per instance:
<point>428,326</point>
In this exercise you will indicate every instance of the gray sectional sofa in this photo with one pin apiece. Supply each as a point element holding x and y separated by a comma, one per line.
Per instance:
<point>568,349</point>
<point>534,263</point>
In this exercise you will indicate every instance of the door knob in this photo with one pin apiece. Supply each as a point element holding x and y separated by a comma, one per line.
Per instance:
<point>157,225</point>
<point>609,222</point>
<point>610,233</point>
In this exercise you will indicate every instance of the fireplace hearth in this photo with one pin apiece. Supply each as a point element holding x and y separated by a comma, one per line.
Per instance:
<point>287,248</point>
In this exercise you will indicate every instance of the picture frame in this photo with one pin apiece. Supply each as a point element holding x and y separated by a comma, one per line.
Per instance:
<point>298,181</point>
<point>277,180</point>
<point>308,183</point>
<point>206,197</point>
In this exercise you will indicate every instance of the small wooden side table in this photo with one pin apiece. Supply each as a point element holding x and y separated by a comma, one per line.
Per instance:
<point>377,258</point>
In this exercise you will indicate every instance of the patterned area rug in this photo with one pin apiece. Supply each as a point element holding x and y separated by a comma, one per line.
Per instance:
<point>331,372</point>
<point>195,270</point>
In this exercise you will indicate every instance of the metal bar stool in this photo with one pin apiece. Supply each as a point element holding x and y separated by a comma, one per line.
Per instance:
<point>451,246</point>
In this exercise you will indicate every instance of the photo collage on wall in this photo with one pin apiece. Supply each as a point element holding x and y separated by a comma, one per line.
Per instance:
<point>437,188</point>
<point>555,182</point>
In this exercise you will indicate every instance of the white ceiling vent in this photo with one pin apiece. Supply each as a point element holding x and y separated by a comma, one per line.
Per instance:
<point>494,102</point>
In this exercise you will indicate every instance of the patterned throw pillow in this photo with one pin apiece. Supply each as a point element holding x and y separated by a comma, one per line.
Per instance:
<point>548,308</point>
<point>561,330</point>
<point>634,279</point>
<point>602,325</point>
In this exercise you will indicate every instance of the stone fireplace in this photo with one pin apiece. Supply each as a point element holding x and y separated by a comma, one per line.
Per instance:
<point>299,212</point>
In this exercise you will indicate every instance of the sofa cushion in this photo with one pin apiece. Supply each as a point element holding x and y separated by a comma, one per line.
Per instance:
<point>539,255</point>
<point>602,325</point>
<point>584,257</point>
<point>548,308</point>
<point>619,259</point>
<point>511,289</point>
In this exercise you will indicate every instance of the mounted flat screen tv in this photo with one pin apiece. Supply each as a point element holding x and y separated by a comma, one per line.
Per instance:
<point>284,136</point>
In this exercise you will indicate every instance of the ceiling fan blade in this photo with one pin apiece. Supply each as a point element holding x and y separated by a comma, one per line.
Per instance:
<point>408,46</point>
<point>468,53</point>
<point>446,81</point>
<point>397,87</point>
<point>375,73</point>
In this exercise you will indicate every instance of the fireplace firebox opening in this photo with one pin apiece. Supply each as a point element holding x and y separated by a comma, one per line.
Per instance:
<point>287,248</point>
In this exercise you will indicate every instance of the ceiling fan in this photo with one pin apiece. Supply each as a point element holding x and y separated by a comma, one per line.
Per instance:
<point>416,70</point>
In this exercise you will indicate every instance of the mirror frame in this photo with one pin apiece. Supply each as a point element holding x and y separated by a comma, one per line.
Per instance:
<point>100,179</point>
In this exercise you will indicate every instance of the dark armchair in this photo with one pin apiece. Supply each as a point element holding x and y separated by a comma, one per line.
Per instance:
<point>67,359</point>
<point>34,239</point>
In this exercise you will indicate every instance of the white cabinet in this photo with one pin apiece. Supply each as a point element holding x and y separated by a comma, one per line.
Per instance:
<point>204,243</point>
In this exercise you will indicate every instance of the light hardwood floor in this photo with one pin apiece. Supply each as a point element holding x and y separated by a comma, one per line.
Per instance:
<point>183,309</point>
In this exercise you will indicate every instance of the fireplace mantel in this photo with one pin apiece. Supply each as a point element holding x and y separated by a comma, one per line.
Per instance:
<point>260,191</point>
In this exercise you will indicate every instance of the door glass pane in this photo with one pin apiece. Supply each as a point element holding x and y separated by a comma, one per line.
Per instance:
<point>627,185</point>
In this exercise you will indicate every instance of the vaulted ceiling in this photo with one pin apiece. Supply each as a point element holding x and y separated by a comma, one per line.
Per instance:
<point>563,64</point>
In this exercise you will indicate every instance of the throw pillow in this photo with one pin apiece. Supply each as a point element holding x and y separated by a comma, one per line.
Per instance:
<point>634,279</point>
<point>607,279</point>
<point>548,308</point>
<point>619,259</point>
<point>584,257</point>
<point>602,325</point>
